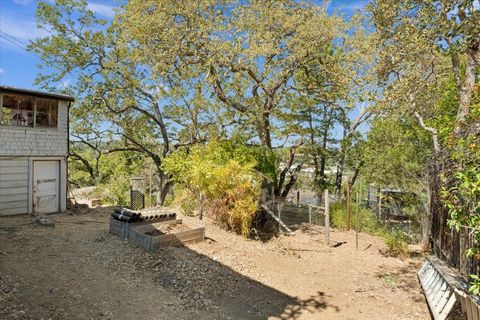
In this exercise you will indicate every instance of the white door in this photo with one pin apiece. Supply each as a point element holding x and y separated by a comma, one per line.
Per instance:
<point>46,183</point>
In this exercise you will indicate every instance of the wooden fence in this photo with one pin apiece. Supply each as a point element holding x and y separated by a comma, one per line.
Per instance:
<point>447,243</point>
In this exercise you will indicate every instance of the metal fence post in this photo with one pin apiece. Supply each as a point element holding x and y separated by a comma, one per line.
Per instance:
<point>310,214</point>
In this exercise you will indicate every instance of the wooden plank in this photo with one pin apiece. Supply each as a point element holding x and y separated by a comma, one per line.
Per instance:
<point>431,275</point>
<point>316,207</point>
<point>13,162</point>
<point>442,295</point>
<point>180,236</point>
<point>23,204</point>
<point>450,275</point>
<point>149,243</point>
<point>15,197</point>
<point>12,184</point>
<point>13,169</point>
<point>468,304</point>
<point>13,191</point>
<point>14,176</point>
<point>173,239</point>
<point>442,299</point>
<point>430,280</point>
<point>154,226</point>
<point>435,286</point>
<point>8,212</point>
<point>452,299</point>
<point>138,238</point>
<point>475,315</point>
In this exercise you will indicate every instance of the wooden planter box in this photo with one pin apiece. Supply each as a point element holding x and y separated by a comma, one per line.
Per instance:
<point>139,236</point>
<point>122,228</point>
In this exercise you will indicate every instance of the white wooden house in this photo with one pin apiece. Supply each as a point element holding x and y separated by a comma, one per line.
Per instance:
<point>33,151</point>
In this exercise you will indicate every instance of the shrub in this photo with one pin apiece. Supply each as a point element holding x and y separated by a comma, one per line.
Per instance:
<point>116,192</point>
<point>186,201</point>
<point>396,244</point>
<point>368,222</point>
<point>224,177</point>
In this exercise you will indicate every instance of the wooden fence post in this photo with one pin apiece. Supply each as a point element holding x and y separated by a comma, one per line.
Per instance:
<point>463,246</point>
<point>347,216</point>
<point>379,205</point>
<point>357,229</point>
<point>327,218</point>
<point>310,214</point>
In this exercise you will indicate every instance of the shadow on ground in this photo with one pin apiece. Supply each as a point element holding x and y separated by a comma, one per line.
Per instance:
<point>212,285</point>
<point>96,273</point>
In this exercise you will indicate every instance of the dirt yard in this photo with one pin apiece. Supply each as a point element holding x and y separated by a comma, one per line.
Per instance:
<point>77,270</point>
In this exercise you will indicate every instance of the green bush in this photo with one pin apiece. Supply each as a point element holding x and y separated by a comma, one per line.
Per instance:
<point>186,200</point>
<point>116,192</point>
<point>224,177</point>
<point>396,244</point>
<point>368,221</point>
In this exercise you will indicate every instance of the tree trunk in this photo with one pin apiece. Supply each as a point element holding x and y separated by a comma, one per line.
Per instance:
<point>339,178</point>
<point>265,130</point>
<point>466,89</point>
<point>293,179</point>
<point>425,225</point>
<point>163,186</point>
<point>323,159</point>
<point>164,192</point>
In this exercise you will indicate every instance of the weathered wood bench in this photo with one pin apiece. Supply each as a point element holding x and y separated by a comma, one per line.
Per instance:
<point>443,288</point>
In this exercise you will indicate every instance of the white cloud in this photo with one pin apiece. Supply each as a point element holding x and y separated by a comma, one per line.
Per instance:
<point>20,28</point>
<point>2,71</point>
<point>102,9</point>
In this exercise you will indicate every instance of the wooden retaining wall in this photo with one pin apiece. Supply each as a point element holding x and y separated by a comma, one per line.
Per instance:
<point>137,235</point>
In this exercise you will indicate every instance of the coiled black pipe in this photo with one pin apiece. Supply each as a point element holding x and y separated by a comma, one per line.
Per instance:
<point>121,217</point>
<point>127,212</point>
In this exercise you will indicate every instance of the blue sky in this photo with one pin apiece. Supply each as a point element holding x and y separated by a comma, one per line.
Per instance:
<point>18,68</point>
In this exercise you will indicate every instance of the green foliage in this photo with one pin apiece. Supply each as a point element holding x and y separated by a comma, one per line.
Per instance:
<point>395,154</point>
<point>474,284</point>
<point>116,192</point>
<point>224,176</point>
<point>368,222</point>
<point>186,200</point>
<point>396,243</point>
<point>112,177</point>
<point>461,193</point>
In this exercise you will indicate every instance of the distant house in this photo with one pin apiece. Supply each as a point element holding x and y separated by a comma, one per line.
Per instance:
<point>33,151</point>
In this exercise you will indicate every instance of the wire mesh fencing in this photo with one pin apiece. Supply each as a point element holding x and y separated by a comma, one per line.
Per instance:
<point>292,214</point>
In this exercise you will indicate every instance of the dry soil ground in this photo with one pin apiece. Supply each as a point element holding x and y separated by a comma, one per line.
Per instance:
<point>77,270</point>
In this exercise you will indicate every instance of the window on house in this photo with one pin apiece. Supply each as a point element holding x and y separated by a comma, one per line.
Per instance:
<point>16,110</point>
<point>8,107</point>
<point>46,113</point>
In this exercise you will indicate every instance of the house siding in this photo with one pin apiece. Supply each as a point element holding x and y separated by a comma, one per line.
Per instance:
<point>14,185</point>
